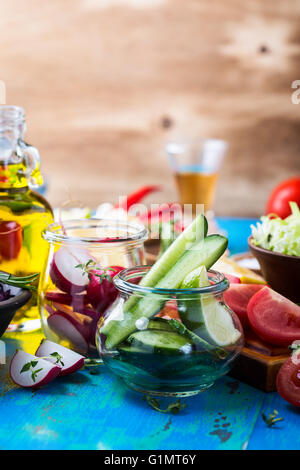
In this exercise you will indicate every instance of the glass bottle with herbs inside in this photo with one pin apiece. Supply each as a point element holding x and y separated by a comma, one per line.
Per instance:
<point>23,212</point>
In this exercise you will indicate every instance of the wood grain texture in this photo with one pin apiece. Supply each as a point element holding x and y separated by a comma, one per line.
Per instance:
<point>106,82</point>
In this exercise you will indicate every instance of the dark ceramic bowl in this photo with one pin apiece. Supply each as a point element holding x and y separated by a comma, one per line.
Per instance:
<point>9,307</point>
<point>282,272</point>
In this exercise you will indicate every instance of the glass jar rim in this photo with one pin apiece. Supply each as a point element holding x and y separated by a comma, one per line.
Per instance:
<point>57,232</point>
<point>12,113</point>
<point>126,287</point>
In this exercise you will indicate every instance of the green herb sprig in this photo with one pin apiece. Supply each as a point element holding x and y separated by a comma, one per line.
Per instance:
<point>92,265</point>
<point>58,358</point>
<point>271,419</point>
<point>24,282</point>
<point>173,408</point>
<point>29,366</point>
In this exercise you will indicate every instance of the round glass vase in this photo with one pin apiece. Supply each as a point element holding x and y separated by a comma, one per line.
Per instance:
<point>76,284</point>
<point>169,342</point>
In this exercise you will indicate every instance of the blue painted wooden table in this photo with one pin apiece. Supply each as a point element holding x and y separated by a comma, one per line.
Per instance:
<point>86,411</point>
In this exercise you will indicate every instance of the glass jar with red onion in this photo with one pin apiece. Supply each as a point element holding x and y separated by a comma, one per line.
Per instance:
<point>76,285</point>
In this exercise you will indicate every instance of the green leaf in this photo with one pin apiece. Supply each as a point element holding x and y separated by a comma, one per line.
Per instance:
<point>272,419</point>
<point>173,408</point>
<point>58,358</point>
<point>35,373</point>
<point>26,367</point>
<point>27,235</point>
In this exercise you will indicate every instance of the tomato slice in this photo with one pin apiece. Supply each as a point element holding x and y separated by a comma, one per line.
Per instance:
<point>274,318</point>
<point>237,298</point>
<point>288,380</point>
<point>10,239</point>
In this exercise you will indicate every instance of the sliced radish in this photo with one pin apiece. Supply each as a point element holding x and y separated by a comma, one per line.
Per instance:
<point>63,271</point>
<point>27,370</point>
<point>69,361</point>
<point>90,313</point>
<point>76,300</point>
<point>66,327</point>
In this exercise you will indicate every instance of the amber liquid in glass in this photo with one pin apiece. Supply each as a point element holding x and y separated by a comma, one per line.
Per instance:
<point>196,188</point>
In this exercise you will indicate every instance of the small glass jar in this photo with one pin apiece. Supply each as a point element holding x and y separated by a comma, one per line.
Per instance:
<point>169,342</point>
<point>76,284</point>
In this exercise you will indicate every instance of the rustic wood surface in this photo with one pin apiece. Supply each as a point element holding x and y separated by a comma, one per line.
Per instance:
<point>106,82</point>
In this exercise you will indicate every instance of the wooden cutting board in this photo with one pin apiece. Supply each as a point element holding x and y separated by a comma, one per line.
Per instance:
<point>259,362</point>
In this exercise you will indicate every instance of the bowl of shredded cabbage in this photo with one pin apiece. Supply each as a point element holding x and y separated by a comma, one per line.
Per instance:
<point>275,243</point>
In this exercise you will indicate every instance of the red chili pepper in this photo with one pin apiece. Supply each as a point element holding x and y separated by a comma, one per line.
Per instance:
<point>163,213</point>
<point>136,196</point>
<point>10,239</point>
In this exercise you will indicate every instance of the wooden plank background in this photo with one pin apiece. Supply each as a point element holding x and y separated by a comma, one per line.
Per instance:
<point>106,82</point>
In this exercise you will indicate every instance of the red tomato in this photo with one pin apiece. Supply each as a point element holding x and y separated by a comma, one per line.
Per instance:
<point>274,318</point>
<point>237,298</point>
<point>10,239</point>
<point>288,380</point>
<point>169,311</point>
<point>232,279</point>
<point>278,202</point>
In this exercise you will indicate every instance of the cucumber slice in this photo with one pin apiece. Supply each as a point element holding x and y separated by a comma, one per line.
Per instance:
<point>196,231</point>
<point>159,324</point>
<point>201,344</point>
<point>206,252</point>
<point>205,315</point>
<point>160,342</point>
<point>164,365</point>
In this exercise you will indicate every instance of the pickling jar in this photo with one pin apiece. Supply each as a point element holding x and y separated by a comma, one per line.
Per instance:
<point>76,285</point>
<point>24,213</point>
<point>169,342</point>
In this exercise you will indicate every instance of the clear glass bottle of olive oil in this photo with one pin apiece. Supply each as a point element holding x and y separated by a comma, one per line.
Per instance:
<point>23,212</point>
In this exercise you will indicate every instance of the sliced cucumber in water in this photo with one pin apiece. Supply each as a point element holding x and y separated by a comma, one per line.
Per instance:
<point>205,315</point>
<point>159,324</point>
<point>160,342</point>
<point>196,231</point>
<point>205,252</point>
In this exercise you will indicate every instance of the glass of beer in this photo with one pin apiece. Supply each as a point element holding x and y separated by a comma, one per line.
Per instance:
<point>196,165</point>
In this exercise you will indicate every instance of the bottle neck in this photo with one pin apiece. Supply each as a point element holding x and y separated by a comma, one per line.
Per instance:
<point>19,162</point>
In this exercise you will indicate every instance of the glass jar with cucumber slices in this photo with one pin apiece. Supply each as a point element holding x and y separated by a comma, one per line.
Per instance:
<point>170,332</point>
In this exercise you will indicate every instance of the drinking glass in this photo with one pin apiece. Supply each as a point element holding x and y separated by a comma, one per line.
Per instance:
<point>196,165</point>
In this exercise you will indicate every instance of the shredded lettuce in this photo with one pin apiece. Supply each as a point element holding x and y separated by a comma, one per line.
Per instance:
<point>280,235</point>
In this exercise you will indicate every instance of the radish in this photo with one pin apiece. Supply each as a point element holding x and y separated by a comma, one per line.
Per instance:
<point>101,291</point>
<point>63,270</point>
<point>69,361</point>
<point>74,330</point>
<point>76,301</point>
<point>90,313</point>
<point>30,371</point>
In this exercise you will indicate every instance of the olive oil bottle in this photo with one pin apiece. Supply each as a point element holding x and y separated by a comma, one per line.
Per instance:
<point>23,213</point>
